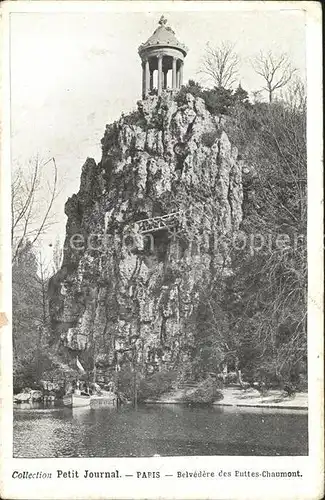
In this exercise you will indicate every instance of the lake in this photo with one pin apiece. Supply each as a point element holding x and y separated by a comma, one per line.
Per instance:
<point>166,430</point>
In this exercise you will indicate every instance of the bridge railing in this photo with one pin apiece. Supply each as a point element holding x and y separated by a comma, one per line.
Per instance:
<point>157,223</point>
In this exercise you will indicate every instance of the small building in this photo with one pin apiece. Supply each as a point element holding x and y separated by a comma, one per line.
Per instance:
<point>161,54</point>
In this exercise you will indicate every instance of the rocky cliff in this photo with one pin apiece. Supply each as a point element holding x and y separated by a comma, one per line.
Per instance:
<point>146,233</point>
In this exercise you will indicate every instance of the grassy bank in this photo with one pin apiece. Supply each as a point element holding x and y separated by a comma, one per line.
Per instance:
<point>235,396</point>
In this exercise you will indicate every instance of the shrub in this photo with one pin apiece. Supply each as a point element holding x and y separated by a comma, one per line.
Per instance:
<point>157,384</point>
<point>193,88</point>
<point>217,100</point>
<point>125,381</point>
<point>132,118</point>
<point>206,392</point>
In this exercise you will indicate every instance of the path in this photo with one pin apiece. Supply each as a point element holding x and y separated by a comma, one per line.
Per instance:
<point>235,396</point>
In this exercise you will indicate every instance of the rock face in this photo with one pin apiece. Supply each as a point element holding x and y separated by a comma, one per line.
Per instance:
<point>128,290</point>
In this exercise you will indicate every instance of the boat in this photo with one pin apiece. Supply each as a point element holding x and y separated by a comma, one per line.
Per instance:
<point>76,399</point>
<point>22,397</point>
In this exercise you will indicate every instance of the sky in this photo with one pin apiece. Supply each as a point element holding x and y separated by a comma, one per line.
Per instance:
<point>72,73</point>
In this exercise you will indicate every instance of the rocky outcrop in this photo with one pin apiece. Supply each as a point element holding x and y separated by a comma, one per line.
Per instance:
<point>128,290</point>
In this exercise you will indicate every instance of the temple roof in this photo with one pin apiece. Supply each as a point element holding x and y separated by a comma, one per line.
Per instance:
<point>163,36</point>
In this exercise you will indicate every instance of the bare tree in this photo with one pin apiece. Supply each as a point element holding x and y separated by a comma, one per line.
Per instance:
<point>31,203</point>
<point>276,71</point>
<point>295,95</point>
<point>220,64</point>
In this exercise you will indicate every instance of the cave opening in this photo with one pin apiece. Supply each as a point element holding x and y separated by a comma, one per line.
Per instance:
<point>161,243</point>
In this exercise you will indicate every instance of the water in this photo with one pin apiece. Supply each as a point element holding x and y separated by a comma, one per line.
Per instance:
<point>167,430</point>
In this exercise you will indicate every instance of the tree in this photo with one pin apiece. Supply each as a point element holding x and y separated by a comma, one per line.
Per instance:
<point>33,193</point>
<point>32,198</point>
<point>33,359</point>
<point>27,315</point>
<point>257,318</point>
<point>240,96</point>
<point>220,64</point>
<point>218,100</point>
<point>276,71</point>
<point>57,255</point>
<point>42,277</point>
<point>191,87</point>
<point>295,95</point>
<point>269,307</point>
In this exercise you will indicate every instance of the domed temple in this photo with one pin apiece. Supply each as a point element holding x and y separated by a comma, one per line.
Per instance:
<point>161,54</point>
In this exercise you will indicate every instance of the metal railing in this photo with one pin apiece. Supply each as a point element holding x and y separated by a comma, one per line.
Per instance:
<point>160,222</point>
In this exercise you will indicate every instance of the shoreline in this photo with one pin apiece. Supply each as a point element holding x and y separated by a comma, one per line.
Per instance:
<point>236,397</point>
<point>229,405</point>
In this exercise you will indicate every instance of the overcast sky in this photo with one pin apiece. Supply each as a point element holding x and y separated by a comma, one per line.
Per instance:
<point>71,73</point>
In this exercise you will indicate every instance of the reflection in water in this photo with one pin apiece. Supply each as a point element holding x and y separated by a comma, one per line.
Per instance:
<point>166,430</point>
<point>80,414</point>
<point>34,406</point>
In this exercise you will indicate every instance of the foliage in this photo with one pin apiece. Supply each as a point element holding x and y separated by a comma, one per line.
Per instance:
<point>125,381</point>
<point>192,88</point>
<point>32,360</point>
<point>256,321</point>
<point>214,340</point>
<point>240,96</point>
<point>27,308</point>
<point>33,193</point>
<point>151,386</point>
<point>218,100</point>
<point>294,95</point>
<point>266,310</point>
<point>157,384</point>
<point>24,375</point>
<point>205,393</point>
<point>131,118</point>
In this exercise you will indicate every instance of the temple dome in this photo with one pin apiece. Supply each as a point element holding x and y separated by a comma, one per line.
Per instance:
<point>163,36</point>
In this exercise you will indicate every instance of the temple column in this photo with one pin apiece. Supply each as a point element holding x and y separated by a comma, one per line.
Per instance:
<point>143,80</point>
<point>181,74</point>
<point>151,80</point>
<point>159,74</point>
<point>147,77</point>
<point>174,74</point>
<point>165,78</point>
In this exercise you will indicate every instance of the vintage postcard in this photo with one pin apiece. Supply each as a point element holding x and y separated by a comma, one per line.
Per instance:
<point>161,250</point>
